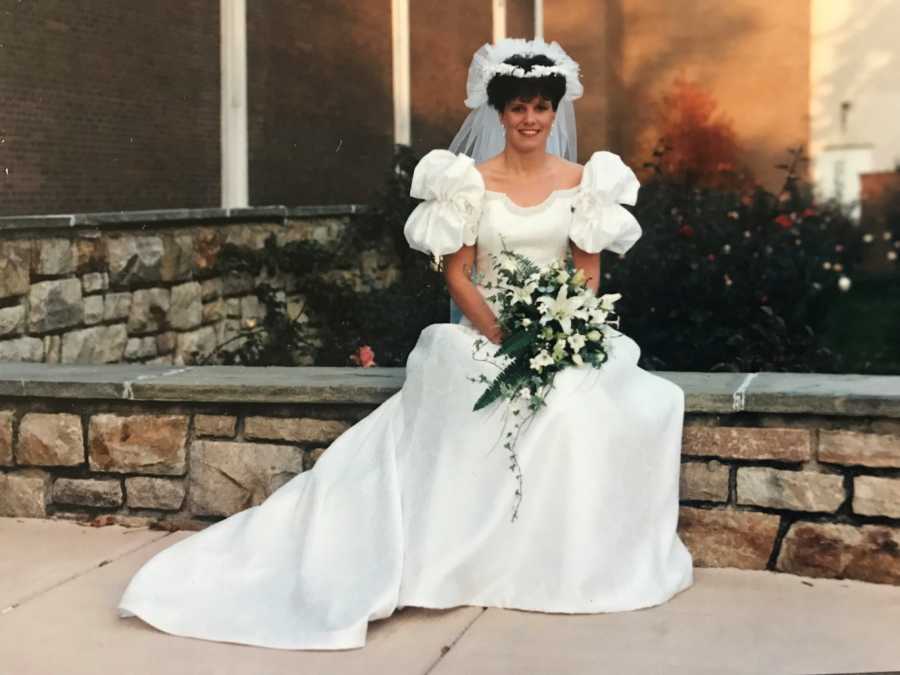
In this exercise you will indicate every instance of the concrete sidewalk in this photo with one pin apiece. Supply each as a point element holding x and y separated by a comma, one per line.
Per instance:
<point>60,582</point>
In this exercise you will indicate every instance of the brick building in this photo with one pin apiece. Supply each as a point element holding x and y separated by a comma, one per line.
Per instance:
<point>118,105</point>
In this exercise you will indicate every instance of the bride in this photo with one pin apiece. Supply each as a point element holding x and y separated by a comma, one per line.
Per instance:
<point>410,506</point>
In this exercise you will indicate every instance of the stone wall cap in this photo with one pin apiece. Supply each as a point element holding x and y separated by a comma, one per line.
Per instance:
<point>852,395</point>
<point>162,216</point>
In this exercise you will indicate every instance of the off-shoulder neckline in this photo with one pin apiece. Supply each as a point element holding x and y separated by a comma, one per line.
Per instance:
<point>513,206</point>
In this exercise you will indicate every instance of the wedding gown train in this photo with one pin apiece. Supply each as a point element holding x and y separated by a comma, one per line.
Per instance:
<point>411,506</point>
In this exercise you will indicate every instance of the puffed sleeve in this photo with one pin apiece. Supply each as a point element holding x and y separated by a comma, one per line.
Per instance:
<point>453,190</point>
<point>598,220</point>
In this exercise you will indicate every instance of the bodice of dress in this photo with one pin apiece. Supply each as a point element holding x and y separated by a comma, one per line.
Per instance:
<point>459,211</point>
<point>539,232</point>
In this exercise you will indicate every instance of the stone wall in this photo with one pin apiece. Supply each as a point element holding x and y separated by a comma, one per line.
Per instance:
<point>139,286</point>
<point>793,473</point>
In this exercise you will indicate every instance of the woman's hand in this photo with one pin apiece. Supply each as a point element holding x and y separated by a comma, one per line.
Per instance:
<point>495,333</point>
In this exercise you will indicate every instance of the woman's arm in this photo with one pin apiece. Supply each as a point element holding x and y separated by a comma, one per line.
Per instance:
<point>457,271</point>
<point>589,263</point>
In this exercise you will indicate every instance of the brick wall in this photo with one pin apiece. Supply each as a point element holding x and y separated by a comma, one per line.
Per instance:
<point>108,105</point>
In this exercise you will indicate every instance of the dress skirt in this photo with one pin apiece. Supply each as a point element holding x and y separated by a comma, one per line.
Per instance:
<point>412,506</point>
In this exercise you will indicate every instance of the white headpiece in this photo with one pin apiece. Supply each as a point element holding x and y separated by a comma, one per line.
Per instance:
<point>481,134</point>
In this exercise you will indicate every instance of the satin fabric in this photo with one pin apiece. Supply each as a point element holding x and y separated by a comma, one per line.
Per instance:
<point>412,507</point>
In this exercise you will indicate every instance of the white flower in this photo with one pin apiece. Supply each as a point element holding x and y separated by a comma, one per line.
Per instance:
<point>525,322</point>
<point>598,316</point>
<point>891,255</point>
<point>867,237</point>
<point>525,393</point>
<point>576,342</point>
<point>562,308</point>
<point>562,277</point>
<point>608,300</point>
<point>509,264</point>
<point>594,336</point>
<point>577,360</point>
<point>844,283</point>
<point>523,294</point>
<point>541,360</point>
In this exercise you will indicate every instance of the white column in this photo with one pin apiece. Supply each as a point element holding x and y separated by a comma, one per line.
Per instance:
<point>499,17</point>
<point>539,19</point>
<point>233,59</point>
<point>400,45</point>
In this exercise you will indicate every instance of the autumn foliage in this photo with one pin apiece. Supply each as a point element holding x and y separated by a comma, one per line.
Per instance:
<point>700,143</point>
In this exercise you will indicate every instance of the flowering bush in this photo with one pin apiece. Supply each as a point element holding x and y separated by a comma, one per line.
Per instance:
<point>735,280</point>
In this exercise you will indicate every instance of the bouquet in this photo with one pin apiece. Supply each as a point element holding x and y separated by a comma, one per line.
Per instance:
<point>550,319</point>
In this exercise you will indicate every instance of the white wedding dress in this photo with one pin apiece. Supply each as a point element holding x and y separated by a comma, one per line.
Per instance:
<point>412,505</point>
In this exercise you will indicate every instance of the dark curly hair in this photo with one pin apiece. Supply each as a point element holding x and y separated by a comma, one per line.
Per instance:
<point>505,88</point>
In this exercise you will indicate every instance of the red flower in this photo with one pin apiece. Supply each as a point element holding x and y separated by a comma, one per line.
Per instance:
<point>784,221</point>
<point>808,211</point>
<point>711,257</point>
<point>364,357</point>
<point>686,231</point>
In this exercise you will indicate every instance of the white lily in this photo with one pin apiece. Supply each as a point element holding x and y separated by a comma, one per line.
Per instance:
<point>542,359</point>
<point>562,308</point>
<point>576,342</point>
<point>608,300</point>
<point>523,294</point>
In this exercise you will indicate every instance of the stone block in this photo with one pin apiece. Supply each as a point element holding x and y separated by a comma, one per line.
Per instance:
<point>50,439</point>
<point>211,289</point>
<point>15,268</point>
<point>311,457</point>
<point>12,320</point>
<point>52,348</point>
<point>793,490</point>
<point>164,494</point>
<point>90,254</point>
<point>214,311</point>
<point>22,349</point>
<point>236,283</point>
<point>295,429</point>
<point>786,445</point>
<point>221,426</point>
<point>185,308</point>
<point>53,256</point>
<point>94,282</point>
<point>140,348</point>
<point>227,477</point>
<point>54,304</point>
<point>153,444</point>
<point>233,308</point>
<point>25,493</point>
<point>868,553</point>
<point>705,481</point>
<point>195,345</point>
<point>178,254</point>
<point>207,244</point>
<point>6,437</point>
<point>134,259</point>
<point>98,344</point>
<point>727,538</point>
<point>116,306</point>
<point>165,342</point>
<point>102,492</point>
<point>856,448</point>
<point>876,496</point>
<point>93,310</point>
<point>149,310</point>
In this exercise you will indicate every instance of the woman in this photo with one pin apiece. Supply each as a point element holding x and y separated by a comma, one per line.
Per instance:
<point>410,506</point>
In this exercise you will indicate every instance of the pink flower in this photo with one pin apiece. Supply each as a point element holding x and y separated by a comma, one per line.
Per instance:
<point>711,257</point>
<point>364,357</point>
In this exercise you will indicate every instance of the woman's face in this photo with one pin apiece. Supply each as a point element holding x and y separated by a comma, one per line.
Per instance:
<point>528,123</point>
